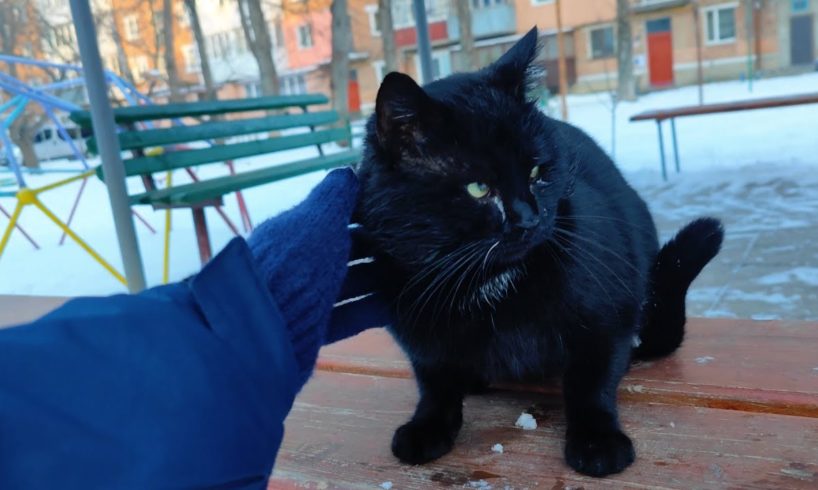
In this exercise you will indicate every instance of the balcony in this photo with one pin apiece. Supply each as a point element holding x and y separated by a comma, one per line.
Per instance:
<point>489,21</point>
<point>642,6</point>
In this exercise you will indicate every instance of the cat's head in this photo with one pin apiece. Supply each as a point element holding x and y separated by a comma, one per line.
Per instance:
<point>465,165</point>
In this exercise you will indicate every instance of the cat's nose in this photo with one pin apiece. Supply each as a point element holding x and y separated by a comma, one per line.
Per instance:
<point>527,217</point>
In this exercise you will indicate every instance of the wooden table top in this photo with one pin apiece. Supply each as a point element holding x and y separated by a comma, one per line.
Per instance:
<point>735,407</point>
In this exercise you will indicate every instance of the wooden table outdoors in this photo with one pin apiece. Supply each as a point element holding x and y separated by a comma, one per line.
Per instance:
<point>735,407</point>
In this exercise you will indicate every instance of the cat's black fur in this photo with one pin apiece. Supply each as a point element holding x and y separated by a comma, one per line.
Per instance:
<point>557,274</point>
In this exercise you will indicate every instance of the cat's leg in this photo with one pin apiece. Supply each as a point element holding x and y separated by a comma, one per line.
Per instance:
<point>595,443</point>
<point>438,416</point>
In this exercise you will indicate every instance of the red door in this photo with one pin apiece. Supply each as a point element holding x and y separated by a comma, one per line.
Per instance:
<point>660,52</point>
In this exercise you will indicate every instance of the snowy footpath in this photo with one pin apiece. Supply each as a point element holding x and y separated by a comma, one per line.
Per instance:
<point>757,170</point>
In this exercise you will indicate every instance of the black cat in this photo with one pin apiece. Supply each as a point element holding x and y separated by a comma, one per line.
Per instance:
<point>515,249</point>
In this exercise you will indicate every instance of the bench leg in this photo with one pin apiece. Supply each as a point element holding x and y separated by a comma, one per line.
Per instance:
<point>200,223</point>
<point>675,146</point>
<point>662,149</point>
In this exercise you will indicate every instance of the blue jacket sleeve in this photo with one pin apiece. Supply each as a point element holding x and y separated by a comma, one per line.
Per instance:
<point>182,386</point>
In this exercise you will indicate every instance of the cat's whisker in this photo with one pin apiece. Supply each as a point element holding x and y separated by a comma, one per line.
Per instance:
<point>616,276</point>
<point>601,247</point>
<point>578,261</point>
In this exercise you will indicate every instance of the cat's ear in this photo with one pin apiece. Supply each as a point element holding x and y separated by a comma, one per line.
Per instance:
<point>515,72</point>
<point>401,108</point>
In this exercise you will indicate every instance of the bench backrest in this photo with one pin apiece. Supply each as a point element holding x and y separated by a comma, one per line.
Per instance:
<point>323,128</point>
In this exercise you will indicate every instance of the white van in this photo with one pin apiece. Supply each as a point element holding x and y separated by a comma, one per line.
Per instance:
<point>50,144</point>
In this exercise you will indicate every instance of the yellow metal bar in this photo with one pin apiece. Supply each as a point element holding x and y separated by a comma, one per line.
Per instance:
<point>63,182</point>
<point>18,209</point>
<point>166,256</point>
<point>94,255</point>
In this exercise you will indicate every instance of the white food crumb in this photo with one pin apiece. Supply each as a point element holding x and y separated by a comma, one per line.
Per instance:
<point>672,425</point>
<point>526,422</point>
<point>480,484</point>
<point>386,485</point>
<point>497,448</point>
<point>704,359</point>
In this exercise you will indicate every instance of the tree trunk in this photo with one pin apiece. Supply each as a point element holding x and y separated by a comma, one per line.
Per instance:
<point>170,51</point>
<point>341,47</point>
<point>387,28</point>
<point>257,34</point>
<point>626,87</point>
<point>469,54</point>
<point>22,132</point>
<point>201,46</point>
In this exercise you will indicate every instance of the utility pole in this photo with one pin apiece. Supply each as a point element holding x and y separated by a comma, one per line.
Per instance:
<point>562,64</point>
<point>424,47</point>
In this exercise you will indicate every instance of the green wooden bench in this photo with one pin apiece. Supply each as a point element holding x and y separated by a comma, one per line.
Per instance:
<point>280,113</point>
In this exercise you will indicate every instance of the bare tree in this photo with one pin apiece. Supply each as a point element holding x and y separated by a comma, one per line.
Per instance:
<point>201,47</point>
<point>257,34</point>
<point>17,31</point>
<point>469,57</point>
<point>387,28</point>
<point>121,57</point>
<point>341,47</point>
<point>170,51</point>
<point>626,87</point>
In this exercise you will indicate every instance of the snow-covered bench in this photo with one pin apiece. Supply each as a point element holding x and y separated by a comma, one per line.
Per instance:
<point>660,115</point>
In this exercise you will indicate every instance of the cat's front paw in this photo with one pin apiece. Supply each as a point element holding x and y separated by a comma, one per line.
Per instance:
<point>419,442</point>
<point>599,453</point>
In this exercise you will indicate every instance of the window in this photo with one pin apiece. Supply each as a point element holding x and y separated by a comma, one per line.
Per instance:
<point>799,6</point>
<point>379,66</point>
<point>191,56</point>
<point>305,36</point>
<point>477,4</point>
<point>720,24</point>
<point>141,66</point>
<point>252,89</point>
<point>293,84</point>
<point>131,27</point>
<point>601,42</point>
<point>372,13</point>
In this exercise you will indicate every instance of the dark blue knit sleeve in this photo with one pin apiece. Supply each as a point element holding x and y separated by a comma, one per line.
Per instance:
<point>183,386</point>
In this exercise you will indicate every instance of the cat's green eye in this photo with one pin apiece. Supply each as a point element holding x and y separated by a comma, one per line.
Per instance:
<point>477,190</point>
<point>535,172</point>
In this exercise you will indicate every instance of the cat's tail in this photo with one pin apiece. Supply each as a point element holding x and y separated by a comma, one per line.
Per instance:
<point>678,263</point>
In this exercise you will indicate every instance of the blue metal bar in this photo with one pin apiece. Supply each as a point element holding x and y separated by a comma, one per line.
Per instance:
<point>10,103</point>
<point>662,149</point>
<point>16,87</point>
<point>675,146</point>
<point>19,60</point>
<point>21,105</point>
<point>67,137</point>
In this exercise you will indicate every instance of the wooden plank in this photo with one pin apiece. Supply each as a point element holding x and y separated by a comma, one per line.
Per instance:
<point>212,188</point>
<point>221,153</point>
<point>16,310</point>
<point>125,115</point>
<point>767,367</point>
<point>222,129</point>
<point>338,436</point>
<point>742,105</point>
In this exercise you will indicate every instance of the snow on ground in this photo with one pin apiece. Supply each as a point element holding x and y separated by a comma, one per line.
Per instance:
<point>526,421</point>
<point>756,168</point>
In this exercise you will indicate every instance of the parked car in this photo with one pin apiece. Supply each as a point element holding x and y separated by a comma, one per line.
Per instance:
<point>50,144</point>
<point>18,155</point>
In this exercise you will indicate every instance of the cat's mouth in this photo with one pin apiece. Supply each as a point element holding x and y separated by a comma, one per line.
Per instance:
<point>515,247</point>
